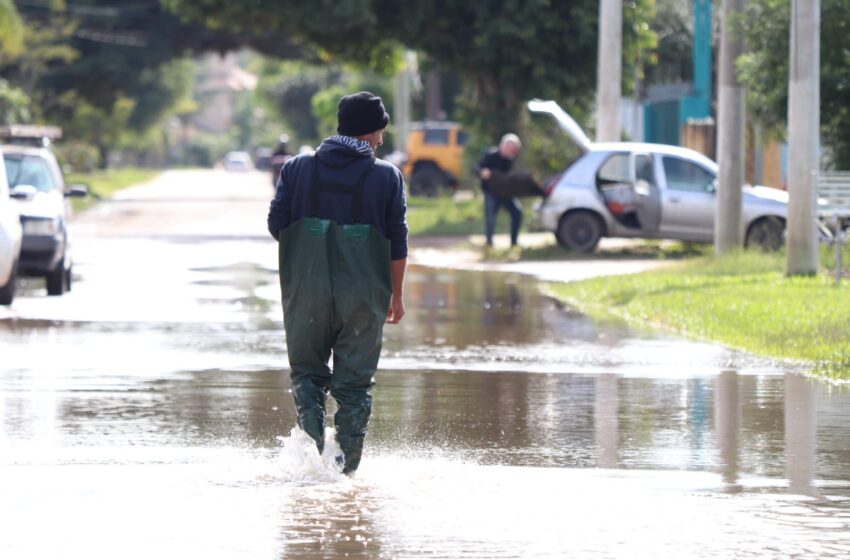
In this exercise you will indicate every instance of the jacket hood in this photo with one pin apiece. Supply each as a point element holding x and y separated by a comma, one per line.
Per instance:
<point>341,151</point>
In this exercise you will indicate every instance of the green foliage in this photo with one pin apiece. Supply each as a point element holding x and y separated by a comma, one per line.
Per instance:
<point>324,108</point>
<point>287,88</point>
<point>671,58</point>
<point>77,157</point>
<point>742,300</point>
<point>507,51</point>
<point>14,104</point>
<point>546,149</point>
<point>11,30</point>
<point>444,216</point>
<point>764,70</point>
<point>205,150</point>
<point>100,126</point>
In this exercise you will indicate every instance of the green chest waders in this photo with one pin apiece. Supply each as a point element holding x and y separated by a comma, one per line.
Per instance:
<point>335,281</point>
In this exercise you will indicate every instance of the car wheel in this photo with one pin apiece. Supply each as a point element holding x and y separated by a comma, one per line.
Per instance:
<point>579,231</point>
<point>427,180</point>
<point>56,280</point>
<point>767,234</point>
<point>7,292</point>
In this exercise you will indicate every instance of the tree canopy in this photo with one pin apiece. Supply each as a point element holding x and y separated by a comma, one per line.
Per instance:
<point>764,70</point>
<point>507,51</point>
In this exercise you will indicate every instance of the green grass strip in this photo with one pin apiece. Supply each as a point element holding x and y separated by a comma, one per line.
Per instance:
<point>444,215</point>
<point>743,301</point>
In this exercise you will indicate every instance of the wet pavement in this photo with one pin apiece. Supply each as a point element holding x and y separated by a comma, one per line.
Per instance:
<point>146,415</point>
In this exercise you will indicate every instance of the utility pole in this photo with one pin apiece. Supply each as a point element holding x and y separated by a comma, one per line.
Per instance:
<point>803,137</point>
<point>730,133</point>
<point>609,70</point>
<point>401,114</point>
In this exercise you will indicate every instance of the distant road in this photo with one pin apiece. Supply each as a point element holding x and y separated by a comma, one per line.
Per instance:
<point>184,203</point>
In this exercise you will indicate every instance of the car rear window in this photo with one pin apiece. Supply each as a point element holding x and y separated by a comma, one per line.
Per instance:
<point>437,136</point>
<point>28,170</point>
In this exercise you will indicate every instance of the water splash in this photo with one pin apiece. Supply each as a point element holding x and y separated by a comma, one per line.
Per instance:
<point>299,460</point>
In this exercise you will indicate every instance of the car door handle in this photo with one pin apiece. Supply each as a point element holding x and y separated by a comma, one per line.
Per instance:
<point>674,200</point>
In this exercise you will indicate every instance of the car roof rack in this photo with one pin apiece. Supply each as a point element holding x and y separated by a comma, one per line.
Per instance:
<point>30,134</point>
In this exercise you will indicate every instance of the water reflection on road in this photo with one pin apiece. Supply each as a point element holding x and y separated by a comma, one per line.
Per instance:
<point>140,417</point>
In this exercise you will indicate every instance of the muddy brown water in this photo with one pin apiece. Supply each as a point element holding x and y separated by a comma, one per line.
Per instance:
<point>146,415</point>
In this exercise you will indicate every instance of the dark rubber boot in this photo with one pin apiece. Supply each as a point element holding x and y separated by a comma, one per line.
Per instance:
<point>310,396</point>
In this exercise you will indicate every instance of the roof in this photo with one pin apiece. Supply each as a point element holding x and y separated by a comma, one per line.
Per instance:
<point>663,149</point>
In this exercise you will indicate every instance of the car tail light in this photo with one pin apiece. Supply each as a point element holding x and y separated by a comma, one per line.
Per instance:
<point>550,183</point>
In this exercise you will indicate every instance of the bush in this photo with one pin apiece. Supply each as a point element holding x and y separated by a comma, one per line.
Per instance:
<point>77,156</point>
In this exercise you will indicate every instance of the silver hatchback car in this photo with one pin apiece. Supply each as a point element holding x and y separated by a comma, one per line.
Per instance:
<point>654,191</point>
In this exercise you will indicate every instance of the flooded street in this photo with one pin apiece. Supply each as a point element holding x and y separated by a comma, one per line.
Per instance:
<point>146,415</point>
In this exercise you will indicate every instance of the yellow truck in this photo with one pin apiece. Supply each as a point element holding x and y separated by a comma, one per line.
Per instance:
<point>434,156</point>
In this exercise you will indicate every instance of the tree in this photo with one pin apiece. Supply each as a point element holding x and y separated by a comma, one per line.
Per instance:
<point>11,29</point>
<point>111,56</point>
<point>765,71</point>
<point>507,50</point>
<point>14,104</point>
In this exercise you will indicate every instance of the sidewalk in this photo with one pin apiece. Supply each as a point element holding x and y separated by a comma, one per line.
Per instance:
<point>467,253</point>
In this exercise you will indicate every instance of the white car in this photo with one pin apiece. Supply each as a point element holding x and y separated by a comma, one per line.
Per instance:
<point>10,240</point>
<point>238,161</point>
<point>36,180</point>
<point>655,191</point>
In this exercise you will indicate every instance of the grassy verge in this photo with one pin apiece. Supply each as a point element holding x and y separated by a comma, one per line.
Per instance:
<point>445,215</point>
<point>742,300</point>
<point>102,184</point>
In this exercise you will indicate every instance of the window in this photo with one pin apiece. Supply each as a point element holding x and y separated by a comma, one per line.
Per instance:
<point>437,136</point>
<point>643,168</point>
<point>684,175</point>
<point>28,170</point>
<point>462,137</point>
<point>615,170</point>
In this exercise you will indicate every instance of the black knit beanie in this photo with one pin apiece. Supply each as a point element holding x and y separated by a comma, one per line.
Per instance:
<point>361,113</point>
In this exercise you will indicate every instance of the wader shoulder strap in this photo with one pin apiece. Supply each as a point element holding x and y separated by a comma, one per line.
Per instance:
<point>317,187</point>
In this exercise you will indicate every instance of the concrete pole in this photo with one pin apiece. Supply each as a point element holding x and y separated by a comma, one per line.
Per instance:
<point>803,137</point>
<point>730,133</point>
<point>609,71</point>
<point>401,114</point>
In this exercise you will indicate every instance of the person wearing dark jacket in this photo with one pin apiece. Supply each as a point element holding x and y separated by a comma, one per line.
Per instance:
<point>500,159</point>
<point>339,218</point>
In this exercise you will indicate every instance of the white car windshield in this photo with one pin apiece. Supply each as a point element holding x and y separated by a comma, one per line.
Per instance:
<point>29,170</point>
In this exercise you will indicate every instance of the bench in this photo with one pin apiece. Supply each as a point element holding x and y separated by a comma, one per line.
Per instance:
<point>834,211</point>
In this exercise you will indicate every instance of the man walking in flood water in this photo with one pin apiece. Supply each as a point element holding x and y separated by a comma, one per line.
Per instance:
<point>339,217</point>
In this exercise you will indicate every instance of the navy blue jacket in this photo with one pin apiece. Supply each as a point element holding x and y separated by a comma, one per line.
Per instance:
<point>342,160</point>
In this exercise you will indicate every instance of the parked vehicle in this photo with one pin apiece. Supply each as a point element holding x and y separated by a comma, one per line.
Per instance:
<point>36,181</point>
<point>238,161</point>
<point>10,241</point>
<point>641,190</point>
<point>434,156</point>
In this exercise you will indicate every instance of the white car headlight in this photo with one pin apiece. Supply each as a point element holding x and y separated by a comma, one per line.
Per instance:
<point>41,227</point>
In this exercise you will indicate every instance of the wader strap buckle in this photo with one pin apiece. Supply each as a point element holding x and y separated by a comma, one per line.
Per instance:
<point>317,187</point>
